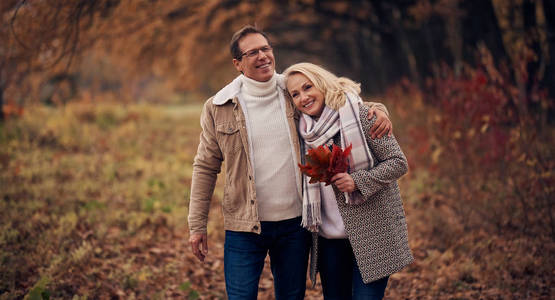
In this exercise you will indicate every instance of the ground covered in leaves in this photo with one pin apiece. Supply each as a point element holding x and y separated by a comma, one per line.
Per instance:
<point>94,206</point>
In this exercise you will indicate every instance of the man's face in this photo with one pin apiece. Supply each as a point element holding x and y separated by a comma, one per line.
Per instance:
<point>259,67</point>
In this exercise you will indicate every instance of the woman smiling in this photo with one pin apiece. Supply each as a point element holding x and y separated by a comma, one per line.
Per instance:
<point>359,219</point>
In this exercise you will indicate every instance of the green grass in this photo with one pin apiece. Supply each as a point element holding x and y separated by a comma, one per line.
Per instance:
<point>80,184</point>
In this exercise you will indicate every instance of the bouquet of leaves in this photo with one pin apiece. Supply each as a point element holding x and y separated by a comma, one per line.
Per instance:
<point>323,162</point>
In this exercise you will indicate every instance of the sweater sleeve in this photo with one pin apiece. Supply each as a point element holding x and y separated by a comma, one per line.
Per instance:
<point>389,165</point>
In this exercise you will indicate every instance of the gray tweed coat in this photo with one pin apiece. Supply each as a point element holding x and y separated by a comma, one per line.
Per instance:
<point>376,229</point>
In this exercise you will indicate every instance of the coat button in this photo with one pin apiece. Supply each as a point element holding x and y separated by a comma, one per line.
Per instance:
<point>250,177</point>
<point>252,201</point>
<point>255,227</point>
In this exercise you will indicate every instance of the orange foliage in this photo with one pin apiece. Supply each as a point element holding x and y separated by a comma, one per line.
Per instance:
<point>12,110</point>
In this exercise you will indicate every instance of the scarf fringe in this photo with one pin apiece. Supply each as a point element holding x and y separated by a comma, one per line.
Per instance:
<point>312,217</point>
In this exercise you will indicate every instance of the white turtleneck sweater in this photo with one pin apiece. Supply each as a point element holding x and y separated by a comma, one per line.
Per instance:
<point>274,169</point>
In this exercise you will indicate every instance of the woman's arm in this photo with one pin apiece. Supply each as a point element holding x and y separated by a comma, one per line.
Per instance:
<point>389,165</point>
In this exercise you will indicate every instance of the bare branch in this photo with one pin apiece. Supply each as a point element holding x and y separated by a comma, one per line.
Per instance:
<point>12,21</point>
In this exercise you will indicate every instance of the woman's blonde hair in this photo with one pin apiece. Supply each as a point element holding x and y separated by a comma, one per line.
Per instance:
<point>333,87</point>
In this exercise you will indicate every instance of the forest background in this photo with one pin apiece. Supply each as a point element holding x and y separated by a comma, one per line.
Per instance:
<point>100,121</point>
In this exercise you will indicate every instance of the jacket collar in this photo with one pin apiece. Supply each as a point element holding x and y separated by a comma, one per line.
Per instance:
<point>281,81</point>
<point>233,89</point>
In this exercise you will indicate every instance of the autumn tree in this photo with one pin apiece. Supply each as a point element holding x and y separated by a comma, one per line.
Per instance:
<point>42,36</point>
<point>185,44</point>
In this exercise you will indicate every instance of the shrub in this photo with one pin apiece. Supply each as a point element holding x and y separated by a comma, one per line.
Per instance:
<point>488,145</point>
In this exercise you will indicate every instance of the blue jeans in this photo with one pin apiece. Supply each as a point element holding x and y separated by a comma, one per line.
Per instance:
<point>340,275</point>
<point>244,252</point>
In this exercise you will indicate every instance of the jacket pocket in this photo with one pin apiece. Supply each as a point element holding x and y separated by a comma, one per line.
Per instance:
<point>231,201</point>
<point>229,138</point>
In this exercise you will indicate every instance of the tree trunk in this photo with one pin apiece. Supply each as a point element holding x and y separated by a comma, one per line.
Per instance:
<point>531,30</point>
<point>431,49</point>
<point>374,74</point>
<point>549,78</point>
<point>1,103</point>
<point>454,37</point>
<point>481,25</point>
<point>405,46</point>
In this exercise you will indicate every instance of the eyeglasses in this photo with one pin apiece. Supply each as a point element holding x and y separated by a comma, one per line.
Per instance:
<point>254,52</point>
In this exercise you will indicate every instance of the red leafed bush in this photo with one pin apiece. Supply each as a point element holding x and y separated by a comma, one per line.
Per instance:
<point>322,163</point>
<point>486,144</point>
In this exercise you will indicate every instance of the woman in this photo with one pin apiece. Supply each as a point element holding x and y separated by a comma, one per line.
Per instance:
<point>362,232</point>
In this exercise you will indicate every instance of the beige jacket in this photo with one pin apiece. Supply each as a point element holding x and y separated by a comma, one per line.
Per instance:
<point>224,138</point>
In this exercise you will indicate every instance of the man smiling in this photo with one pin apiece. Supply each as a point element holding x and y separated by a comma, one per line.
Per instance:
<point>255,66</point>
<point>251,126</point>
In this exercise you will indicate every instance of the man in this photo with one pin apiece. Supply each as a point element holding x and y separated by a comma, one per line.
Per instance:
<point>251,126</point>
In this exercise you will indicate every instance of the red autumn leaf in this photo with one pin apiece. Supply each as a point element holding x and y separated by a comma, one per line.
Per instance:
<point>322,164</point>
<point>339,160</point>
<point>317,162</point>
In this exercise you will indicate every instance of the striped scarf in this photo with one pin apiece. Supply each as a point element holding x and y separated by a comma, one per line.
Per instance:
<point>346,121</point>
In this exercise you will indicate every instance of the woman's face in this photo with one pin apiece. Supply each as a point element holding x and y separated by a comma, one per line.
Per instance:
<point>307,98</point>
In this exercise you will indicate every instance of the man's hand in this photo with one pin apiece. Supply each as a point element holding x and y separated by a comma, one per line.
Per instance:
<point>382,125</point>
<point>199,245</point>
<point>344,182</point>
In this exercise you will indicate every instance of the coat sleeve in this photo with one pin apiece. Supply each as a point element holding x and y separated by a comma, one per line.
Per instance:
<point>206,166</point>
<point>377,105</point>
<point>389,165</point>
